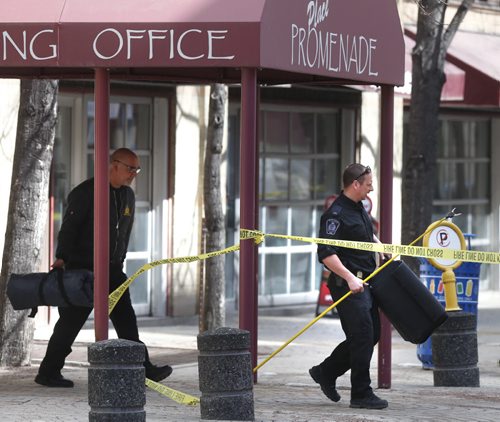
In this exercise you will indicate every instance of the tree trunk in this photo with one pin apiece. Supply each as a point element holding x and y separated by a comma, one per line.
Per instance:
<point>420,149</point>
<point>214,295</point>
<point>28,206</point>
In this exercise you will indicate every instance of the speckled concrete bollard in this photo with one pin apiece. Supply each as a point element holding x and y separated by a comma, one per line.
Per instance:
<point>225,375</point>
<point>454,351</point>
<point>116,381</point>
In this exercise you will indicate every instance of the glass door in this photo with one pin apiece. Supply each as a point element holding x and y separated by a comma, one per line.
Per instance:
<point>60,182</point>
<point>131,127</point>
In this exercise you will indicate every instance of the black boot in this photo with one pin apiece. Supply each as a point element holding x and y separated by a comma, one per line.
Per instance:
<point>157,373</point>
<point>53,380</point>
<point>370,401</point>
<point>327,386</point>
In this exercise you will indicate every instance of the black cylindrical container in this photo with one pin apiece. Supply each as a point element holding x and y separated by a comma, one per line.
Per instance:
<point>404,299</point>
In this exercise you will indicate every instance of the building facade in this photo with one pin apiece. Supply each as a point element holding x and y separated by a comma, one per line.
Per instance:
<point>469,127</point>
<point>307,135</point>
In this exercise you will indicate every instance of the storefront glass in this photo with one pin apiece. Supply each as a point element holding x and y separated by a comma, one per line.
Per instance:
<point>299,166</point>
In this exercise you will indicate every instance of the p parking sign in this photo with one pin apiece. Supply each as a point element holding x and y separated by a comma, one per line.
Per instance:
<point>444,235</point>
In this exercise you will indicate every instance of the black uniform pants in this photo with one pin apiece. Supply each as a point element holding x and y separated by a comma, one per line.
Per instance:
<point>72,319</point>
<point>361,324</point>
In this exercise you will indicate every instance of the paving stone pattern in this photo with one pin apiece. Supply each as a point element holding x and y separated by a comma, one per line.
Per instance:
<point>284,391</point>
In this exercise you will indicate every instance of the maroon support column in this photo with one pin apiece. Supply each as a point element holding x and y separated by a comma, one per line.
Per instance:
<point>248,204</point>
<point>385,189</point>
<point>101,204</point>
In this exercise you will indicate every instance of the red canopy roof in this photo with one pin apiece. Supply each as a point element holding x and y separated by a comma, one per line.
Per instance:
<point>453,88</point>
<point>472,76</point>
<point>356,41</point>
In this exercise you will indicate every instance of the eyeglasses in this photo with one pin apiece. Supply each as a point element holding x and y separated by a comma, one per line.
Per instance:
<point>365,171</point>
<point>130,169</point>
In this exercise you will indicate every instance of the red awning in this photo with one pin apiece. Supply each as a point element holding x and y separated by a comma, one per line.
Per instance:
<point>453,89</point>
<point>472,68</point>
<point>477,55</point>
<point>288,40</point>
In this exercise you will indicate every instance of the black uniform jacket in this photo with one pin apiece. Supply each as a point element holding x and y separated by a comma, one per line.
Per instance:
<point>347,220</point>
<point>76,236</point>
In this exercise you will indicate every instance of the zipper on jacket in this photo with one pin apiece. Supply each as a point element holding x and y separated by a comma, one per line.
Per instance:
<point>117,226</point>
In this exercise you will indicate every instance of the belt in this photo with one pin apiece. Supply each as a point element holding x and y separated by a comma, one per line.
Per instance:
<point>339,280</point>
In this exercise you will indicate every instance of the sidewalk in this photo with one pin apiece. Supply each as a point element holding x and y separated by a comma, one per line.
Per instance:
<point>284,391</point>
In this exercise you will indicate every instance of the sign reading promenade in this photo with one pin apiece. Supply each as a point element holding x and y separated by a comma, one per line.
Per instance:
<point>352,40</point>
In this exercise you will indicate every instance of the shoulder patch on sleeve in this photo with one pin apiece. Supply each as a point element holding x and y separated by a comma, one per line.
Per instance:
<point>332,225</point>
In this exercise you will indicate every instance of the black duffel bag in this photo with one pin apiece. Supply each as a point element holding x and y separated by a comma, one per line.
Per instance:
<point>56,288</point>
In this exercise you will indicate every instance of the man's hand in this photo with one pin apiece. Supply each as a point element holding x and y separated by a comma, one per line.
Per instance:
<point>355,284</point>
<point>383,257</point>
<point>58,263</point>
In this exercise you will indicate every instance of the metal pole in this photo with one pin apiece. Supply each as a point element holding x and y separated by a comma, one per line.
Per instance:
<point>256,225</point>
<point>248,194</point>
<point>386,190</point>
<point>101,204</point>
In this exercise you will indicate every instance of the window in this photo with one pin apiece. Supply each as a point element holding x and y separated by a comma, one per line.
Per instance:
<point>464,179</point>
<point>61,171</point>
<point>299,157</point>
<point>304,140</point>
<point>463,175</point>
<point>299,167</point>
<point>130,126</point>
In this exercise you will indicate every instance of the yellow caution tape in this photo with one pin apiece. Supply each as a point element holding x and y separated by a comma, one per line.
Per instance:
<point>333,305</point>
<point>407,250</point>
<point>175,395</point>
<point>115,296</point>
<point>258,237</point>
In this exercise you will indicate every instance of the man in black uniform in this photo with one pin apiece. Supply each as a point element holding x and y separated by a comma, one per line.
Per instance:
<point>347,219</point>
<point>75,250</point>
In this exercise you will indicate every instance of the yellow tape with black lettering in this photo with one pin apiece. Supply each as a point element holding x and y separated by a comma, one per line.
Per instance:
<point>175,395</point>
<point>115,296</point>
<point>415,251</point>
<point>258,237</point>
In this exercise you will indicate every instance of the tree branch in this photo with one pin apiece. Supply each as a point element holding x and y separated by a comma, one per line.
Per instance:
<point>455,23</point>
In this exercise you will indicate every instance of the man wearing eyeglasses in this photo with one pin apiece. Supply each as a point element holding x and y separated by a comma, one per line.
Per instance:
<point>346,219</point>
<point>75,250</point>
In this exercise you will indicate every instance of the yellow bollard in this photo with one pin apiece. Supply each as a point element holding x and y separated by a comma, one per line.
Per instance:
<point>450,291</point>
<point>445,234</point>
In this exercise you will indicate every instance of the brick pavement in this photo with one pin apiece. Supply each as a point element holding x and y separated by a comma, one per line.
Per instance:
<point>284,391</point>
<point>297,400</point>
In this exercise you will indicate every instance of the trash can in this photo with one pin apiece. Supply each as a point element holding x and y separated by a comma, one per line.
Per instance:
<point>467,276</point>
<point>413,311</point>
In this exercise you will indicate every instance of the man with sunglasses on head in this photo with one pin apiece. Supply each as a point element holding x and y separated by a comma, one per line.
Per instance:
<point>75,250</point>
<point>346,219</point>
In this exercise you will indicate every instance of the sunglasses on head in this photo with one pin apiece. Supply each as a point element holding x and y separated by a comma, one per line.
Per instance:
<point>364,172</point>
